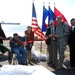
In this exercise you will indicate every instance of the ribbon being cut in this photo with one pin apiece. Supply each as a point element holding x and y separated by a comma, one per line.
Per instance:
<point>22,43</point>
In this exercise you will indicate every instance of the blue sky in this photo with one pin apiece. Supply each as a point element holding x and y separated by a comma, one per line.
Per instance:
<point>21,11</point>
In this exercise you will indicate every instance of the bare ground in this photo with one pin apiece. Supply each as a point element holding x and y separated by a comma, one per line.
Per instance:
<point>64,71</point>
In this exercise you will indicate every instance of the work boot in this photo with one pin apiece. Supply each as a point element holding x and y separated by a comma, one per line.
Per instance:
<point>49,62</point>
<point>59,66</point>
<point>54,65</point>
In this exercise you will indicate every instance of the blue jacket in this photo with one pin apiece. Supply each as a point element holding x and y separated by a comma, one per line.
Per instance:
<point>14,43</point>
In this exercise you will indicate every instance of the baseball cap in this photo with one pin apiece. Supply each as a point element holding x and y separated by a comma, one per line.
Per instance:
<point>58,18</point>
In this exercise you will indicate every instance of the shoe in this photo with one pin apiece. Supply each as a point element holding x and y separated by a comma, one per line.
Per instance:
<point>54,65</point>
<point>49,62</point>
<point>73,68</point>
<point>20,63</point>
<point>59,66</point>
<point>25,63</point>
<point>10,61</point>
<point>1,65</point>
<point>30,63</point>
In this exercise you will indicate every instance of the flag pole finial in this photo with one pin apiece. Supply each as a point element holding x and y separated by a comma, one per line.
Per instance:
<point>54,4</point>
<point>32,1</point>
<point>49,3</point>
<point>43,3</point>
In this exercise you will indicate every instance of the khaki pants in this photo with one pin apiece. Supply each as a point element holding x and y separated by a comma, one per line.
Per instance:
<point>52,50</point>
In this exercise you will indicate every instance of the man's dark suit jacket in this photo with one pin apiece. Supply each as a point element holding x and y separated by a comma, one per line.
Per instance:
<point>71,42</point>
<point>48,32</point>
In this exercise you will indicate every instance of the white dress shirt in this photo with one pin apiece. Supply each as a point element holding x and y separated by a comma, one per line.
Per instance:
<point>73,28</point>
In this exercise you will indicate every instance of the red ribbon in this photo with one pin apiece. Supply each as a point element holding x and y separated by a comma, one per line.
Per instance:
<point>21,42</point>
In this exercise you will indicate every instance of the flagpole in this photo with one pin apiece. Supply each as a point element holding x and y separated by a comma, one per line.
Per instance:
<point>54,12</point>
<point>41,36</point>
<point>41,46</point>
<point>48,14</point>
<point>43,3</point>
<point>48,3</point>
<point>32,1</point>
<point>54,4</point>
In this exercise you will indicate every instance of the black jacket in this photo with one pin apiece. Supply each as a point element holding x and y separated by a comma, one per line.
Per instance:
<point>71,40</point>
<point>48,32</point>
<point>2,34</point>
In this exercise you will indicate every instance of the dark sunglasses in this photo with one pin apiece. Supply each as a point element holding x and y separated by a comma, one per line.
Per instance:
<point>51,24</point>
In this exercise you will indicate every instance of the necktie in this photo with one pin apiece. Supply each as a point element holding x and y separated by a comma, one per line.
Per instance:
<point>52,30</point>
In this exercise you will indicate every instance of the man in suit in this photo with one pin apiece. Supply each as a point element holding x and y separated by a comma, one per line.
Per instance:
<point>52,47</point>
<point>62,34</point>
<point>72,43</point>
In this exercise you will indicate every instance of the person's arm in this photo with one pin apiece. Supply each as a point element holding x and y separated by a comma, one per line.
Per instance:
<point>32,38</point>
<point>12,44</point>
<point>48,34</point>
<point>3,34</point>
<point>25,33</point>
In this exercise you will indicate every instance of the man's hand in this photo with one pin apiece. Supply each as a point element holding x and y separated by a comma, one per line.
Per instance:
<point>53,36</point>
<point>50,35</point>
<point>16,44</point>
<point>56,35</point>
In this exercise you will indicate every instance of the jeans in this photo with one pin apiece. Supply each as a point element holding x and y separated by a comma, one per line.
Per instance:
<point>21,54</point>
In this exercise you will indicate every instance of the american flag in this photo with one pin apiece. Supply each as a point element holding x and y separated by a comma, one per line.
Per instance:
<point>37,30</point>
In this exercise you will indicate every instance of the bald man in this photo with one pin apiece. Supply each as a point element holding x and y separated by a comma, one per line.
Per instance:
<point>52,47</point>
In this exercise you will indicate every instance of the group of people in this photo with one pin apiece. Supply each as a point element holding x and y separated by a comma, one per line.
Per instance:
<point>17,44</point>
<point>21,46</point>
<point>60,36</point>
<point>57,38</point>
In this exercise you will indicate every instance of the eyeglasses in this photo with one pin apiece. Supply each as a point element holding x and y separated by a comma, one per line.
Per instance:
<point>51,24</point>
